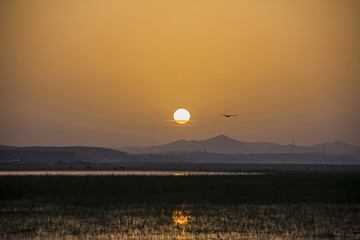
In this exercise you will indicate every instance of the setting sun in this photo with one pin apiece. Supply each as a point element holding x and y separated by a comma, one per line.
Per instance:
<point>181,116</point>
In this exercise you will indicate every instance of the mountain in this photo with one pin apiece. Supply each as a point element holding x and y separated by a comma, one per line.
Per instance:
<point>220,149</point>
<point>263,158</point>
<point>218,144</point>
<point>338,147</point>
<point>224,144</point>
<point>52,155</point>
<point>92,154</point>
<point>4,147</point>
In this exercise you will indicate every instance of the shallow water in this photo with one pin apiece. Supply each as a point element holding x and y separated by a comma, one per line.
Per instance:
<point>122,173</point>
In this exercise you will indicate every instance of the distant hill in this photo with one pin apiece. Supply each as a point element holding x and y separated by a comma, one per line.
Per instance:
<point>220,149</point>
<point>91,154</point>
<point>224,144</point>
<point>264,158</point>
<point>23,156</point>
<point>338,147</point>
<point>4,147</point>
<point>52,155</point>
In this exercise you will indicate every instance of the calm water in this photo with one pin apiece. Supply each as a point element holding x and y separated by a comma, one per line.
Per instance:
<point>122,173</point>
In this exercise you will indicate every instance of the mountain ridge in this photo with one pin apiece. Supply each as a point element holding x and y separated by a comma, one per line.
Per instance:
<point>44,154</point>
<point>218,149</point>
<point>225,144</point>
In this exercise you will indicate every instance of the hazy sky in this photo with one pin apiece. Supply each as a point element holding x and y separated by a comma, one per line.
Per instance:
<point>111,73</point>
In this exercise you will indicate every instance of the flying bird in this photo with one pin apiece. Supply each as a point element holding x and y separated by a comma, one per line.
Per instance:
<point>228,115</point>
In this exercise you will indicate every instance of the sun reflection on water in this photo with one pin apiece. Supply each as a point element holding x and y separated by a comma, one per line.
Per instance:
<point>181,218</point>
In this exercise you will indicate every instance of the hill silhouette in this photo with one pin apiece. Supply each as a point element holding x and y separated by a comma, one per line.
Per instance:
<point>224,144</point>
<point>219,149</point>
<point>52,155</point>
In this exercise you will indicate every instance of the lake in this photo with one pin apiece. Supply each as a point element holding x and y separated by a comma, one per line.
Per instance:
<point>123,173</point>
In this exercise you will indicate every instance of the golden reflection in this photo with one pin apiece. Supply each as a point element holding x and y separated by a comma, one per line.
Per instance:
<point>181,218</point>
<point>180,174</point>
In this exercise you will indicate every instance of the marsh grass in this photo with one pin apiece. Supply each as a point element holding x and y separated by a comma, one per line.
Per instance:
<point>302,207</point>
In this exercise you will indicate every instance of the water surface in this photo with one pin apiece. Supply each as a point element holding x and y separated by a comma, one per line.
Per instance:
<point>122,173</point>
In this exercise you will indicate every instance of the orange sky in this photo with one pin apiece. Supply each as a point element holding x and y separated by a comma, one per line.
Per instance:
<point>111,73</point>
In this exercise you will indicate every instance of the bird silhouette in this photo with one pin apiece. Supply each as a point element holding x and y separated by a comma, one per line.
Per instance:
<point>228,115</point>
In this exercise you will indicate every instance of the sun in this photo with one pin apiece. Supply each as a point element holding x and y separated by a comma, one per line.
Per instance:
<point>181,116</point>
